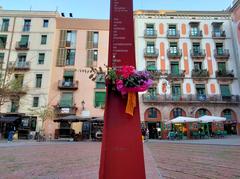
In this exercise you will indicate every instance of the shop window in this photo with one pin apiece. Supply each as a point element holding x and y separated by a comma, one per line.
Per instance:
<point>152,113</point>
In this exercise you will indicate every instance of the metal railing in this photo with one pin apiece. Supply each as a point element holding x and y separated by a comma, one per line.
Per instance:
<point>174,53</point>
<point>224,74</point>
<point>62,84</point>
<point>173,34</point>
<point>150,33</point>
<point>224,53</point>
<point>147,98</point>
<point>65,110</point>
<point>22,45</point>
<point>19,65</point>
<point>198,53</point>
<point>200,73</point>
<point>195,35</point>
<point>218,34</point>
<point>151,53</point>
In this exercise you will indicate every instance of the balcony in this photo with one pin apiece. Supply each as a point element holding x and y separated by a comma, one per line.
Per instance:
<point>199,54</point>
<point>221,54</point>
<point>61,111</point>
<point>150,33</point>
<point>218,34</point>
<point>151,53</point>
<point>67,85</point>
<point>228,75</point>
<point>157,74</point>
<point>177,75</point>
<point>190,99</point>
<point>173,34</point>
<point>200,74</point>
<point>196,35</point>
<point>19,65</point>
<point>174,54</point>
<point>22,45</point>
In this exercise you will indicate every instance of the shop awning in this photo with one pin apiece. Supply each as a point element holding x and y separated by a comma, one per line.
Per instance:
<point>71,118</point>
<point>182,119</point>
<point>8,119</point>
<point>206,119</point>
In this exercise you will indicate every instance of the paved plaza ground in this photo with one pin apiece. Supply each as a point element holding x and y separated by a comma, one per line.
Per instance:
<point>184,160</point>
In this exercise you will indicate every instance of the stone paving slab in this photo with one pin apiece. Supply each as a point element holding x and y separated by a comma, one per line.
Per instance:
<point>57,160</point>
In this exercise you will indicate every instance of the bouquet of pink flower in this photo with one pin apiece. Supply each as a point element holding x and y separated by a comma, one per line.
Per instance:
<point>130,80</point>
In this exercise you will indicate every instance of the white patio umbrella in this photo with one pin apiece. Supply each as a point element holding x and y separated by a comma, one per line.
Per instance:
<point>206,119</point>
<point>182,119</point>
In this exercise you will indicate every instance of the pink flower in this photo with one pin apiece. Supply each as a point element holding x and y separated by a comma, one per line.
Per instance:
<point>119,84</point>
<point>127,71</point>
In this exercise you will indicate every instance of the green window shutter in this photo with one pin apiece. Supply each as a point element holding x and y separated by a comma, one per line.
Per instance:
<point>68,73</point>
<point>90,39</point>
<point>175,68</point>
<point>66,100</point>
<point>225,90</point>
<point>90,56</point>
<point>100,98</point>
<point>24,39</point>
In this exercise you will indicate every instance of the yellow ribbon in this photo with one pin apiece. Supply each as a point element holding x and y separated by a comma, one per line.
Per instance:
<point>131,103</point>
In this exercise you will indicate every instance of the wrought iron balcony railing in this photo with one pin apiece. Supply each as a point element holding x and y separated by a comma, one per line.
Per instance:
<point>224,74</point>
<point>198,54</point>
<point>221,54</point>
<point>195,35</point>
<point>65,85</point>
<point>150,33</point>
<point>218,34</point>
<point>151,53</point>
<point>22,45</point>
<point>198,73</point>
<point>19,65</point>
<point>173,34</point>
<point>174,53</point>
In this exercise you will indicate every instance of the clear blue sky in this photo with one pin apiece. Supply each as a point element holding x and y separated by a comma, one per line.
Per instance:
<point>100,8</point>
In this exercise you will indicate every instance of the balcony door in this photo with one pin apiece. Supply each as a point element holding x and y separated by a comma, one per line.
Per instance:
<point>174,68</point>
<point>176,91</point>
<point>201,92</point>
<point>150,48</point>
<point>173,48</point>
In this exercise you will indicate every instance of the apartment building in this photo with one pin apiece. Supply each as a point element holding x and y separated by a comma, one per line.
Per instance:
<point>193,61</point>
<point>81,44</point>
<point>235,10</point>
<point>27,39</point>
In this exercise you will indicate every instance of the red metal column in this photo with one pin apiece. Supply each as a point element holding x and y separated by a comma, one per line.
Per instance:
<point>122,149</point>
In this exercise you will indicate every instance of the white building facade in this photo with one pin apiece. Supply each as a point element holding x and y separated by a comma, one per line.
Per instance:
<point>192,58</point>
<point>27,43</point>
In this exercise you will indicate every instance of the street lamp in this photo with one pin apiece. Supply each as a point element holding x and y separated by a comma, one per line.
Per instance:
<point>83,103</point>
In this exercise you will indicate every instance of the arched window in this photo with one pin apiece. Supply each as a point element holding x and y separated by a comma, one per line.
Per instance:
<point>202,112</point>
<point>152,113</point>
<point>176,112</point>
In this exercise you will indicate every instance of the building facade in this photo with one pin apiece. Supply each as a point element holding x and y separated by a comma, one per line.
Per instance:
<point>193,61</point>
<point>26,45</point>
<point>81,44</point>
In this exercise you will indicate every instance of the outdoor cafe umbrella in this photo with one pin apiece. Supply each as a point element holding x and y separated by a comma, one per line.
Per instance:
<point>207,119</point>
<point>182,119</point>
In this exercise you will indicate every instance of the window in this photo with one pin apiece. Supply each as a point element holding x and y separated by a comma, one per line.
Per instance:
<point>71,39</point>
<point>176,91</point>
<point>38,80</point>
<point>225,92</point>
<point>68,78</point>
<point>173,48</point>
<point>5,24</point>
<point>219,47</point>
<point>14,105</point>
<point>100,99</point>
<point>152,93</point>
<point>24,41</point>
<point>3,41</point>
<point>197,65</point>
<point>150,30</point>
<point>152,113</point>
<point>222,66</point>
<point>70,59</point>
<point>45,23</point>
<point>201,94</point>
<point>41,58</point>
<point>19,80</point>
<point>177,112</point>
<point>196,48</point>
<point>151,66</point>
<point>35,101</point>
<point>100,81</point>
<point>92,58</point>
<point>175,68</point>
<point>95,55</point>
<point>66,100</point>
<point>43,39</point>
<point>150,48</point>
<point>172,30</point>
<point>21,62</point>
<point>1,57</point>
<point>227,113</point>
<point>95,39</point>
<point>26,26</point>
<point>202,112</point>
